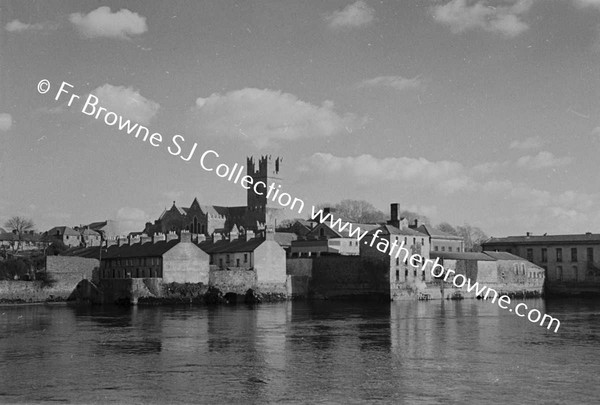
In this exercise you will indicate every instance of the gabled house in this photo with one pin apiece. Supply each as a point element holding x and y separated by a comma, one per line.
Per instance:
<point>327,239</point>
<point>64,234</point>
<point>175,260</point>
<point>440,241</point>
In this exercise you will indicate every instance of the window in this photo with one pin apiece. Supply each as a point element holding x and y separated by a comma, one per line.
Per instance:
<point>449,248</point>
<point>443,248</point>
<point>458,249</point>
<point>321,232</point>
<point>559,273</point>
<point>423,275</point>
<point>573,254</point>
<point>414,241</point>
<point>405,274</point>
<point>245,257</point>
<point>397,261</point>
<point>435,248</point>
<point>415,273</point>
<point>530,254</point>
<point>227,259</point>
<point>221,262</point>
<point>516,268</point>
<point>350,243</point>
<point>544,255</point>
<point>590,254</point>
<point>422,242</point>
<point>559,255</point>
<point>397,275</point>
<point>237,262</point>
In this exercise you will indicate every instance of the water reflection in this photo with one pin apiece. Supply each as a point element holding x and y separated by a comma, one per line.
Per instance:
<point>298,352</point>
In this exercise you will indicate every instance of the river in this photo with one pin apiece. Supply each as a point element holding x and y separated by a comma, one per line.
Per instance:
<point>297,352</point>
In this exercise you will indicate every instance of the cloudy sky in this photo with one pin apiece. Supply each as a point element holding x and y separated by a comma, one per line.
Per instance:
<point>484,112</point>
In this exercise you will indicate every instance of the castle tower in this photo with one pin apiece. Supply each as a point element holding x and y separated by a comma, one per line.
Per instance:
<point>267,170</point>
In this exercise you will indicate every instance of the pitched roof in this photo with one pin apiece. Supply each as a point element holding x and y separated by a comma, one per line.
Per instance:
<point>502,255</point>
<point>463,256</point>
<point>62,230</point>
<point>89,232</point>
<point>545,239</point>
<point>215,210</point>
<point>96,225</point>
<point>285,238</point>
<point>236,246</point>
<point>392,230</point>
<point>92,252</point>
<point>147,249</point>
<point>436,233</point>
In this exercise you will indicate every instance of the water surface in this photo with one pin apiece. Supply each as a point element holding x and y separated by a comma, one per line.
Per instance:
<point>296,352</point>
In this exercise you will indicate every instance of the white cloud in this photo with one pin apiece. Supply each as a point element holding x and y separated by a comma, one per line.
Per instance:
<point>533,142</point>
<point>465,15</point>
<point>353,15</point>
<point>5,122</point>
<point>395,82</point>
<point>262,116</point>
<point>18,26</point>
<point>127,102</point>
<point>103,23</point>
<point>542,160</point>
<point>587,3</point>
<point>446,175</point>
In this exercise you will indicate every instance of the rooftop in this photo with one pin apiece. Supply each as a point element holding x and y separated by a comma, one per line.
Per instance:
<point>545,239</point>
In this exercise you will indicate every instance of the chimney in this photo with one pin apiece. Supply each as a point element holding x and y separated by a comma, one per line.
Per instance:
<point>110,242</point>
<point>528,233</point>
<point>326,210</point>
<point>122,241</point>
<point>185,237</point>
<point>133,239</point>
<point>269,233</point>
<point>394,215</point>
<point>171,236</point>
<point>201,238</point>
<point>145,238</point>
<point>249,234</point>
<point>158,237</point>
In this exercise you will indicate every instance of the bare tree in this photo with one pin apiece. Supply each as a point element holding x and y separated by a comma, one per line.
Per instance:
<point>19,226</point>
<point>356,211</point>
<point>446,227</point>
<point>473,237</point>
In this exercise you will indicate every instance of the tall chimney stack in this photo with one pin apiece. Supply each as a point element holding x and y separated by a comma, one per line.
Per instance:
<point>394,215</point>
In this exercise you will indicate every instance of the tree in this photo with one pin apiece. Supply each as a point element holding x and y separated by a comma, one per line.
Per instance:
<point>356,211</point>
<point>473,237</point>
<point>411,216</point>
<point>446,227</point>
<point>19,226</point>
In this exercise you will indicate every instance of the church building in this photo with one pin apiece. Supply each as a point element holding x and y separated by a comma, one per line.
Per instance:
<point>259,212</point>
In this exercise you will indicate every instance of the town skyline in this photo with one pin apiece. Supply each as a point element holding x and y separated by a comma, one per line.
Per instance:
<point>465,112</point>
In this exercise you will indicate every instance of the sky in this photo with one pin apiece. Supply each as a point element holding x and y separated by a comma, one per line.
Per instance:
<point>466,111</point>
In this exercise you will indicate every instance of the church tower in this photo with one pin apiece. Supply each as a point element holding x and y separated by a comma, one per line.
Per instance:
<point>266,169</point>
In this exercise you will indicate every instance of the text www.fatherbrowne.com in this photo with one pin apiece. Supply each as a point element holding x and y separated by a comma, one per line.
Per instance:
<point>396,250</point>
